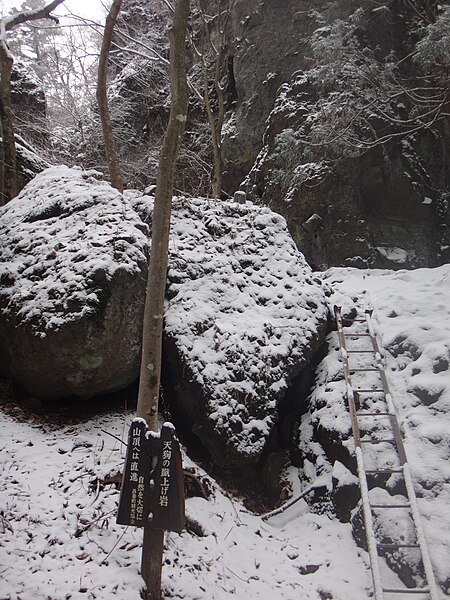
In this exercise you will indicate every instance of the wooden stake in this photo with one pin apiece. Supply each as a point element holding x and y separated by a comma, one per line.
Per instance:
<point>151,564</point>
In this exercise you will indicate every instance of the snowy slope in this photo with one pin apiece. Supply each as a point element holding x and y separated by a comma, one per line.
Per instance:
<point>412,316</point>
<point>58,538</point>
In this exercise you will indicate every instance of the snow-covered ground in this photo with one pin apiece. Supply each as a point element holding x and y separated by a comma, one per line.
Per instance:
<point>59,539</point>
<point>412,316</point>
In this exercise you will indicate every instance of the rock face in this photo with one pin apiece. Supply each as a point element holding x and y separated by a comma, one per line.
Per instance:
<point>244,318</point>
<point>29,104</point>
<point>29,163</point>
<point>385,206</point>
<point>71,286</point>
<point>271,41</point>
<point>30,113</point>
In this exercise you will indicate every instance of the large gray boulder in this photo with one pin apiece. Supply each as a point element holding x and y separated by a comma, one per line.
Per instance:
<point>244,318</point>
<point>72,280</point>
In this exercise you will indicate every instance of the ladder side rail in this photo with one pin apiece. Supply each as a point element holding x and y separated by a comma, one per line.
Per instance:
<point>427,565</point>
<point>421,539</point>
<point>387,392</point>
<point>367,513</point>
<point>348,381</point>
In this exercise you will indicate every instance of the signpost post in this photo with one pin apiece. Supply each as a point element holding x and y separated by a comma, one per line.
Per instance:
<point>152,331</point>
<point>152,492</point>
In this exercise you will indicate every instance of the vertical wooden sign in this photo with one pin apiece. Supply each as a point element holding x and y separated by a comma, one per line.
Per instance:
<point>167,499</point>
<point>134,502</point>
<point>155,497</point>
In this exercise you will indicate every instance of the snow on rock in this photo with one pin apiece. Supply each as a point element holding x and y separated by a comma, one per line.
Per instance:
<point>345,491</point>
<point>71,286</point>
<point>244,317</point>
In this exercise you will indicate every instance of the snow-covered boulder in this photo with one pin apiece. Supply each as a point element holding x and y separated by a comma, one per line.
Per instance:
<point>244,313</point>
<point>244,317</point>
<point>72,281</point>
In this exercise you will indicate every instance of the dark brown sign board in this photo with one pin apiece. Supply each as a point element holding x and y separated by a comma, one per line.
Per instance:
<point>152,491</point>
<point>134,502</point>
<point>167,498</point>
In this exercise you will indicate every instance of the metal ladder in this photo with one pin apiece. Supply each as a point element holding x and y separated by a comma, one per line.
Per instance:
<point>368,404</point>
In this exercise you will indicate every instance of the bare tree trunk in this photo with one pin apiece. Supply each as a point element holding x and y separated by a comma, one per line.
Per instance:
<point>9,167</point>
<point>150,375</point>
<point>154,305</point>
<point>102,99</point>
<point>215,126</point>
<point>217,50</point>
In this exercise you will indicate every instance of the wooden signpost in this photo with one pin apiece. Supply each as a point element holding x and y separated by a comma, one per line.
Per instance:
<point>152,492</point>
<point>134,503</point>
<point>167,501</point>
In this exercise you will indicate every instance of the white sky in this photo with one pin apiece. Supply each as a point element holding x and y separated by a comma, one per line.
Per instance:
<point>92,9</point>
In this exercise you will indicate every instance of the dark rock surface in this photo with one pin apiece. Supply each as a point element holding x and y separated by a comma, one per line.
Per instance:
<point>345,492</point>
<point>384,207</point>
<point>29,162</point>
<point>271,41</point>
<point>71,286</point>
<point>29,104</point>
<point>387,208</point>
<point>30,113</point>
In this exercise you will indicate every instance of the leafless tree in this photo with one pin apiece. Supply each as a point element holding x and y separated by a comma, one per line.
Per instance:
<point>363,102</point>
<point>102,98</point>
<point>211,54</point>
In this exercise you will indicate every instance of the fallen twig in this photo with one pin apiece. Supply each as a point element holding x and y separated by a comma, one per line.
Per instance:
<point>281,509</point>
<point>114,436</point>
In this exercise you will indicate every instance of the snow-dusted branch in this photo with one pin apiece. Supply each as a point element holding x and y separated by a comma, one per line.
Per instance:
<point>153,55</point>
<point>31,15</point>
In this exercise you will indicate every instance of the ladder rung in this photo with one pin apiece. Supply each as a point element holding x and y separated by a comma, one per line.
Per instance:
<point>384,470</point>
<point>407,591</point>
<point>388,441</point>
<point>356,335</point>
<point>347,320</point>
<point>392,546</point>
<point>360,352</point>
<point>390,506</point>
<point>370,414</point>
<point>368,391</point>
<point>363,370</point>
